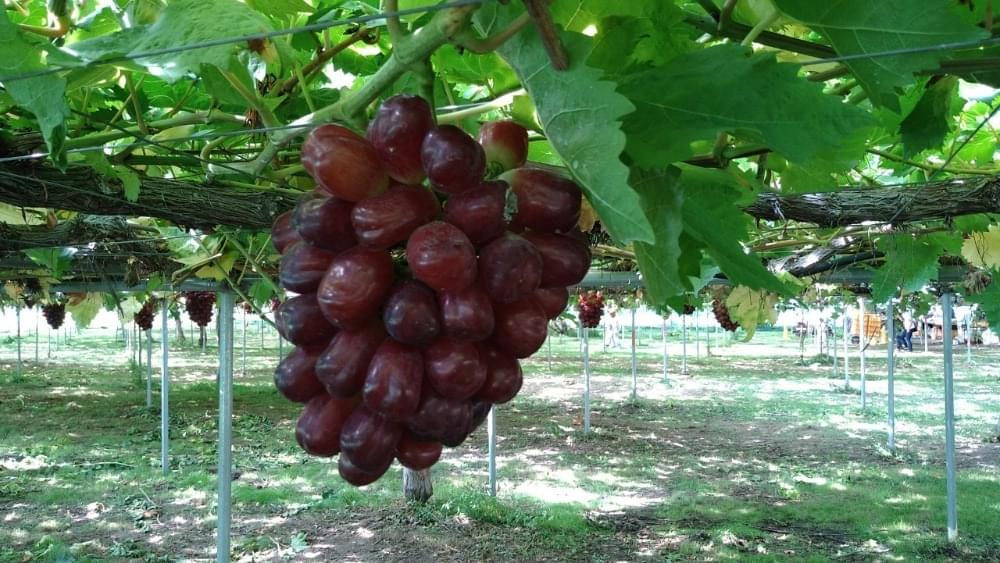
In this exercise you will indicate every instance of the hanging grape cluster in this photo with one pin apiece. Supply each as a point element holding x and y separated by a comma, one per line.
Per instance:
<point>55,314</point>
<point>722,315</point>
<point>590,306</point>
<point>144,317</point>
<point>395,362</point>
<point>688,309</point>
<point>199,306</point>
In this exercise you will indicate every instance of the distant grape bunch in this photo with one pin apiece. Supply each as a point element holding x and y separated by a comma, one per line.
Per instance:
<point>55,314</point>
<point>396,358</point>
<point>722,315</point>
<point>199,306</point>
<point>144,317</point>
<point>590,305</point>
<point>688,309</point>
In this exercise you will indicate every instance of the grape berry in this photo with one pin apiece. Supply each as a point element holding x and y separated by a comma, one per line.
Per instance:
<point>722,315</point>
<point>55,314</point>
<point>411,318</point>
<point>590,305</point>
<point>199,306</point>
<point>144,317</point>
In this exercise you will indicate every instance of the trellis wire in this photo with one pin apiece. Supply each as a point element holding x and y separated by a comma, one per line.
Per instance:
<point>318,26</point>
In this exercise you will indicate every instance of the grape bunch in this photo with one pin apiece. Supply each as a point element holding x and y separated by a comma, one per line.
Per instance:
<point>55,314</point>
<point>411,316</point>
<point>144,317</point>
<point>199,306</point>
<point>688,309</point>
<point>722,315</point>
<point>590,305</point>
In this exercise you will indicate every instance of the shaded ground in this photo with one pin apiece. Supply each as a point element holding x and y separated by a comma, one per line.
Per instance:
<point>753,455</point>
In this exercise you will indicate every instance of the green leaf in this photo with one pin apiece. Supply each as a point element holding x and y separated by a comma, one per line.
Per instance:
<point>582,124</point>
<point>989,300</point>
<point>858,27</point>
<point>725,89</point>
<point>130,182</point>
<point>910,262</point>
<point>57,260</point>
<point>751,308</point>
<point>279,9</point>
<point>191,22</point>
<point>713,217</point>
<point>85,310</point>
<point>926,126</point>
<point>662,200</point>
<point>44,96</point>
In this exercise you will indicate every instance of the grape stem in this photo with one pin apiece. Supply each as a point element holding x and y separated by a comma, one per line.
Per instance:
<point>479,109</point>
<point>468,41</point>
<point>396,33</point>
<point>444,25</point>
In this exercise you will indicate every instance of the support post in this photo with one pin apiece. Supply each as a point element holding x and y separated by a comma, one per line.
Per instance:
<point>149,369</point>
<point>635,377</point>
<point>18,312</point>
<point>164,392</point>
<point>586,380</point>
<point>243,348</point>
<point>666,357</point>
<point>968,338</point>
<point>949,420</point>
<point>548,342</point>
<point>697,333</point>
<point>890,379</point>
<point>491,429</point>
<point>137,347</point>
<point>833,346</point>
<point>863,332</point>
<point>225,464</point>
<point>36,332</point>
<point>684,345</point>
<point>847,355</point>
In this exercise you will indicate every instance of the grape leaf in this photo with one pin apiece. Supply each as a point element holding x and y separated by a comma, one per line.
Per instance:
<point>581,122</point>
<point>662,200</point>
<point>722,89</point>
<point>983,249</point>
<point>926,126</point>
<point>857,27</point>
<point>989,300</point>
<point>57,260</point>
<point>190,22</point>
<point>751,308</point>
<point>910,262</point>
<point>280,8</point>
<point>85,310</point>
<point>44,96</point>
<point>712,216</point>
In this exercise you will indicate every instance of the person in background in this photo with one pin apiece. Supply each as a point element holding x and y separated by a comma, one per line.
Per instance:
<point>909,327</point>
<point>612,329</point>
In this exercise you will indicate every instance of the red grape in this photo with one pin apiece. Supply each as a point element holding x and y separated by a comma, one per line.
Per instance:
<point>503,376</point>
<point>55,314</point>
<point>479,212</point>
<point>417,454</point>
<point>455,369</point>
<point>395,374</point>
<point>467,314</point>
<point>480,410</point>
<point>545,202</point>
<point>397,131</point>
<point>144,317</point>
<point>389,218</point>
<point>343,163</point>
<point>411,313</point>
<point>511,268</point>
<point>295,376</point>
<point>565,260</point>
<point>440,420</point>
<point>319,425</point>
<point>505,143</point>
<point>354,286</point>
<point>355,475</point>
<point>342,367</point>
<point>552,300</point>
<point>590,306</point>
<point>453,160</point>
<point>324,222</point>
<point>283,234</point>
<point>300,321</point>
<point>199,306</point>
<point>369,439</point>
<point>521,327</point>
<point>441,256</point>
<point>302,267</point>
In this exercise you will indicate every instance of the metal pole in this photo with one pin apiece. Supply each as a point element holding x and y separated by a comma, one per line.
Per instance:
<point>36,333</point>
<point>149,368</point>
<point>847,356</point>
<point>635,379</point>
<point>708,341</point>
<point>833,347</point>
<point>949,420</point>
<point>18,309</point>
<point>968,338</point>
<point>697,334</point>
<point>225,465</point>
<point>164,394</point>
<point>666,357</point>
<point>891,359</point>
<point>548,339</point>
<point>137,348</point>
<point>48,342</point>
<point>684,345</point>
<point>491,429</point>
<point>243,349</point>
<point>861,349</point>
<point>586,380</point>
<point>924,330</point>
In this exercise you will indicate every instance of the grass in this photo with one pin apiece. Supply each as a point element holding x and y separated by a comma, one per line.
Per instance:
<point>753,456</point>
